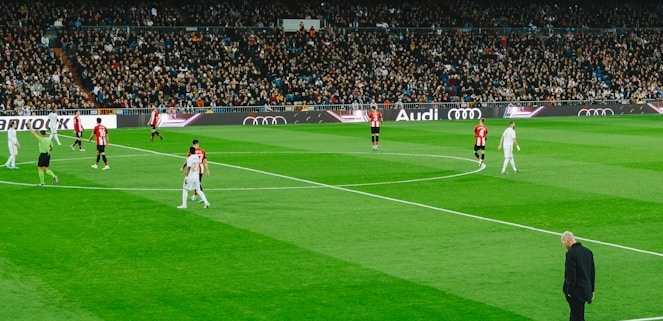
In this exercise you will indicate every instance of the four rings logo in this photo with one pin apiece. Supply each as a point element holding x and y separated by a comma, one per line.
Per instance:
<point>595,112</point>
<point>464,113</point>
<point>264,120</point>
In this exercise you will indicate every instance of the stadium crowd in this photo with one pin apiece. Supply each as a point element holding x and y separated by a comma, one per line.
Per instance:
<point>33,77</point>
<point>389,53</point>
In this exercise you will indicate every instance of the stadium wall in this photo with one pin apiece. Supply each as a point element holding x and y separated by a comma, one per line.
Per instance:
<point>416,114</point>
<point>139,118</point>
<point>65,122</point>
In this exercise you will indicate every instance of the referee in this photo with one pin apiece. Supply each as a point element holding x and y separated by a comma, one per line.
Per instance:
<point>45,148</point>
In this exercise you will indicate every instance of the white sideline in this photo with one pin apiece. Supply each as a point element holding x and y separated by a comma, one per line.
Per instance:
<point>646,319</point>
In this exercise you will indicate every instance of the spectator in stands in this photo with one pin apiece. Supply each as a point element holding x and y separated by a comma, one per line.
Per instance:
<point>416,65</point>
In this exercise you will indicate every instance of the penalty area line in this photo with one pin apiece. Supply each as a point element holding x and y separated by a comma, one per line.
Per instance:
<point>645,319</point>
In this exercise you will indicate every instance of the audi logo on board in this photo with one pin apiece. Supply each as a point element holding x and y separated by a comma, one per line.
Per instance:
<point>264,120</point>
<point>464,113</point>
<point>595,112</point>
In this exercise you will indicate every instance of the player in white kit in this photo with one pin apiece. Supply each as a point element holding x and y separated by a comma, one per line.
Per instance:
<point>192,179</point>
<point>53,119</point>
<point>12,143</point>
<point>507,142</point>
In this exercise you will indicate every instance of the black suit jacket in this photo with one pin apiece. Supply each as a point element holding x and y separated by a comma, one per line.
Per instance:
<point>579,273</point>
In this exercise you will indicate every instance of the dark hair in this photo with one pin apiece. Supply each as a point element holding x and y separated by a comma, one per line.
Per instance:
<point>42,132</point>
<point>195,141</point>
<point>192,150</point>
<point>98,120</point>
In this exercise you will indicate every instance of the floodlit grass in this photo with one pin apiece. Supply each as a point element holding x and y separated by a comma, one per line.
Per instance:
<point>308,223</point>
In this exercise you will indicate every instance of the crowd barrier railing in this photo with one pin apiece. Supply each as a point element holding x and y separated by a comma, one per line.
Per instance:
<point>287,108</point>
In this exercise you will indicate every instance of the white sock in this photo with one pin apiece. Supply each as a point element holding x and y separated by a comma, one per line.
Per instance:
<point>506,162</point>
<point>185,195</point>
<point>11,160</point>
<point>513,165</point>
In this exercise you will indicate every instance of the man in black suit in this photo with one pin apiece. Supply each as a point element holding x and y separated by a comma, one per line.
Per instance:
<point>578,276</point>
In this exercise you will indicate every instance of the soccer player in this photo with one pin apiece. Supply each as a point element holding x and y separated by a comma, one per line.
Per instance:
<point>13,144</point>
<point>53,120</point>
<point>507,141</point>
<point>153,123</point>
<point>375,118</point>
<point>204,168</point>
<point>45,148</point>
<point>101,132</point>
<point>480,134</point>
<point>192,178</point>
<point>78,132</point>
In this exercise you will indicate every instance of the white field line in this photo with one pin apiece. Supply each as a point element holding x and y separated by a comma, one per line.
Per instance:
<point>395,200</point>
<point>646,319</point>
<point>340,188</point>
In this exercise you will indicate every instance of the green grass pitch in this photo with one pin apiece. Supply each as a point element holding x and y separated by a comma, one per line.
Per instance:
<point>308,223</point>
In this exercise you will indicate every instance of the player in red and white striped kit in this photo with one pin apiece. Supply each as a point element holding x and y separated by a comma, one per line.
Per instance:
<point>480,135</point>
<point>101,132</point>
<point>375,118</point>
<point>78,132</point>
<point>153,123</point>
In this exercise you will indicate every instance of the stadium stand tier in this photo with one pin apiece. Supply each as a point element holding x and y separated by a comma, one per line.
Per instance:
<point>188,54</point>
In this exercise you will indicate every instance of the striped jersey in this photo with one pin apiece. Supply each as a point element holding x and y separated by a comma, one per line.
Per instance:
<point>375,117</point>
<point>154,118</point>
<point>78,127</point>
<point>102,134</point>
<point>202,157</point>
<point>480,133</point>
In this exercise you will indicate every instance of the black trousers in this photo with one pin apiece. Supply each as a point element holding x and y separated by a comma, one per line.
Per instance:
<point>577,309</point>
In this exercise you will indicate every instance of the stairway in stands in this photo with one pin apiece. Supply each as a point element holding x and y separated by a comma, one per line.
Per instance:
<point>77,77</point>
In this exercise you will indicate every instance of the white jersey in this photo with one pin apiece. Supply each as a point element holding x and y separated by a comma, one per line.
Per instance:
<point>193,162</point>
<point>11,137</point>
<point>192,181</point>
<point>53,119</point>
<point>509,135</point>
<point>12,141</point>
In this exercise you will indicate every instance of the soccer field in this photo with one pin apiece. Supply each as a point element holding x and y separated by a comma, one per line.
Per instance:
<point>308,223</point>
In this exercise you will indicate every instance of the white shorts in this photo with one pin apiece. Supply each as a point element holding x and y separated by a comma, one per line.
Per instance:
<point>191,183</point>
<point>13,150</point>
<point>508,150</point>
<point>54,129</point>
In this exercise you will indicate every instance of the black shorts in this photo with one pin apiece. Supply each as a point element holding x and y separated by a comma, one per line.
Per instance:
<point>153,127</point>
<point>477,147</point>
<point>79,134</point>
<point>101,148</point>
<point>44,160</point>
<point>375,130</point>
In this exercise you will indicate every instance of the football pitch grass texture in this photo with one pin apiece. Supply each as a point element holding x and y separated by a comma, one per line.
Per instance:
<point>308,223</point>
